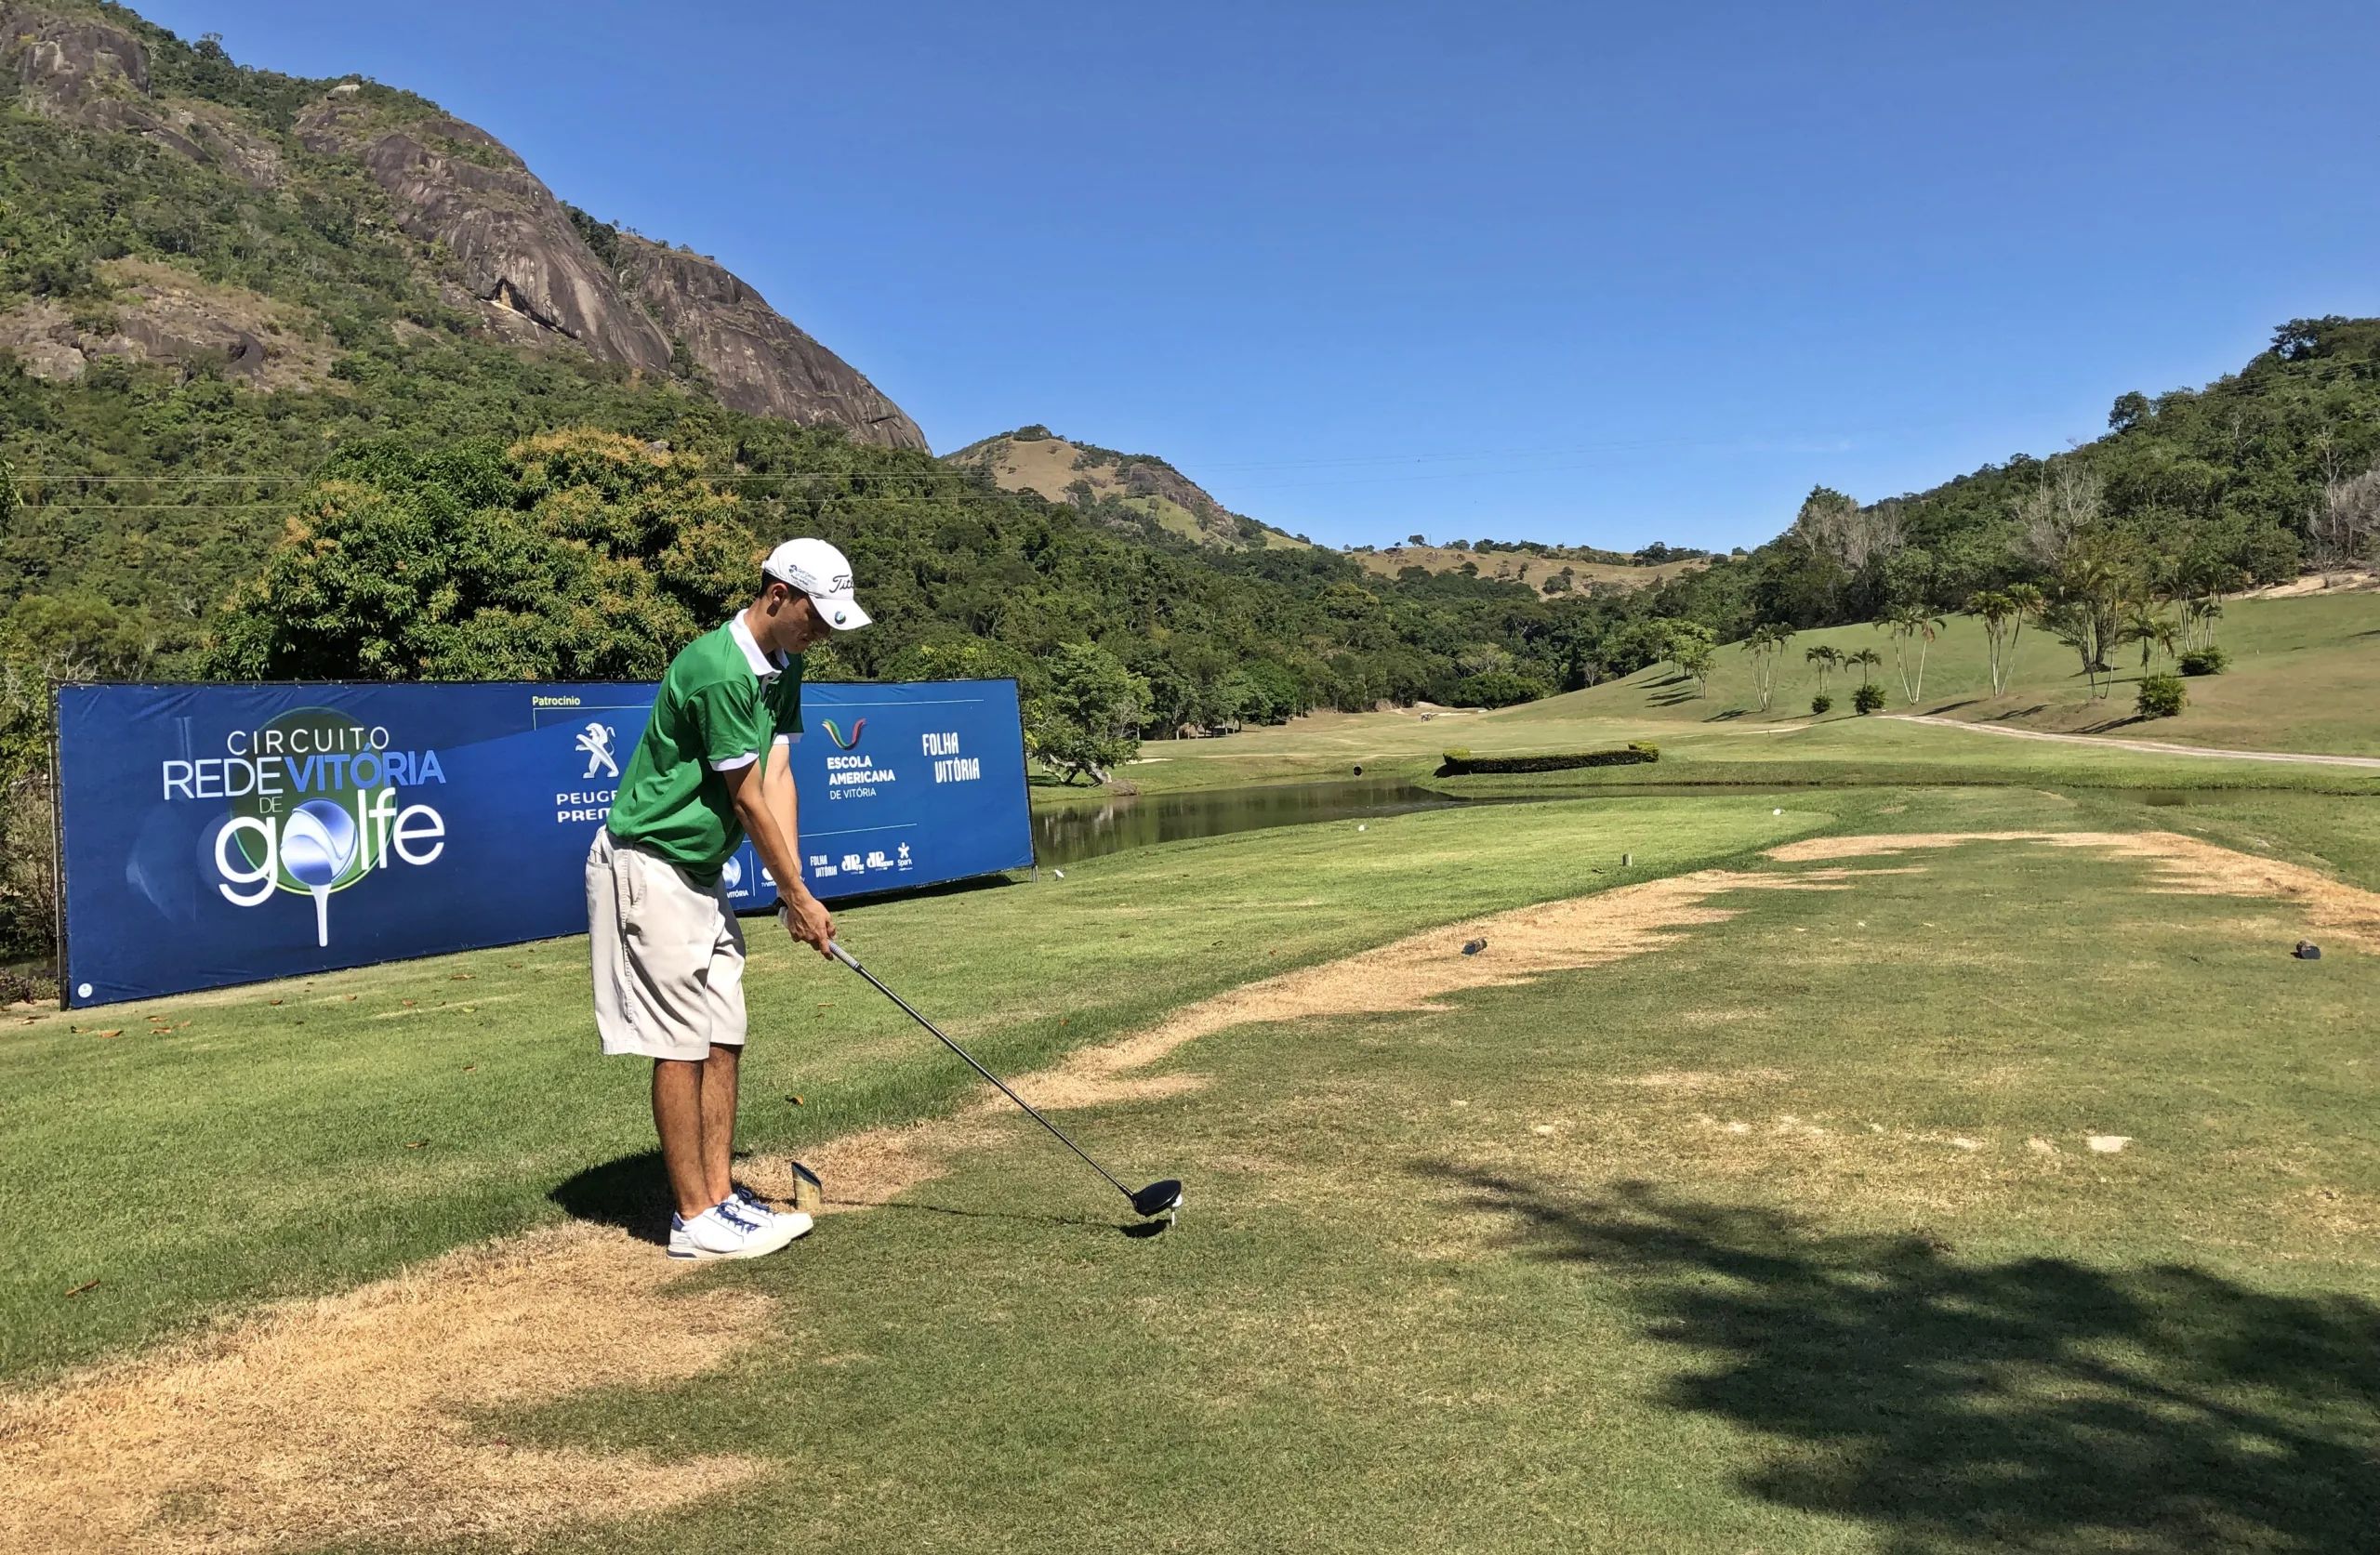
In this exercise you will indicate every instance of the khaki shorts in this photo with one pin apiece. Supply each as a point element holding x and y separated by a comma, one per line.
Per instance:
<point>669,955</point>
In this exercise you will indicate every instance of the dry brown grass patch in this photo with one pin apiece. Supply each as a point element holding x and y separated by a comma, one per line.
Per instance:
<point>2181,863</point>
<point>351,1417</point>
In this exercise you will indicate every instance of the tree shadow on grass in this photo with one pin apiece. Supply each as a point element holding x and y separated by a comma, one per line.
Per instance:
<point>2036,1404</point>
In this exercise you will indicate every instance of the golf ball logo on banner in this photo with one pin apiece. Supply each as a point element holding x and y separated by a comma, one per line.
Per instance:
<point>315,809</point>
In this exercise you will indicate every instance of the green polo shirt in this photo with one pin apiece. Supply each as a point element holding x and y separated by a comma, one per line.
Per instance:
<point>724,702</point>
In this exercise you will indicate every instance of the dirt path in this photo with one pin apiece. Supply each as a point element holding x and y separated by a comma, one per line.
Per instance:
<point>2159,746</point>
<point>360,1417</point>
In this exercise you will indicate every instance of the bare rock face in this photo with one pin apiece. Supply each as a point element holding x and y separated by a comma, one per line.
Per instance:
<point>758,361</point>
<point>97,77</point>
<point>72,69</point>
<point>163,314</point>
<point>515,254</point>
<point>456,184</point>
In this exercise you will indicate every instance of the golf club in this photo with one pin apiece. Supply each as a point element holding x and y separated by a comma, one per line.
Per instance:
<point>1158,1198</point>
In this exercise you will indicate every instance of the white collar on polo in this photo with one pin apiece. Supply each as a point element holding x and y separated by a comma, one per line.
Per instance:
<point>762,664</point>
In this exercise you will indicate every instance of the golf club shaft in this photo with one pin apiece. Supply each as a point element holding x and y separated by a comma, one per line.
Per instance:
<point>849,960</point>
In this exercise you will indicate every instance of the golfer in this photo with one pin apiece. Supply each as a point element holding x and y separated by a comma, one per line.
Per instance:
<point>714,766</point>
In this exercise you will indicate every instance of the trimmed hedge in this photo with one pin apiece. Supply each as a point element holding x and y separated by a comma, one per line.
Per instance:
<point>1458,762</point>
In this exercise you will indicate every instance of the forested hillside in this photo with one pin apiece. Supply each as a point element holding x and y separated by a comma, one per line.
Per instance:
<point>254,326</point>
<point>238,351</point>
<point>2192,493</point>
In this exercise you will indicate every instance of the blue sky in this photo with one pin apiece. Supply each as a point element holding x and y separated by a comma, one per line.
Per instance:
<point>1570,272</point>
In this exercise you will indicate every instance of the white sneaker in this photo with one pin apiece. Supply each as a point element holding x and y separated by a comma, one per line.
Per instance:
<point>726,1231</point>
<point>747,1205</point>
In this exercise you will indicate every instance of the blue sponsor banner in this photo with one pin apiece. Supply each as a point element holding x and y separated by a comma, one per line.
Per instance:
<point>218,834</point>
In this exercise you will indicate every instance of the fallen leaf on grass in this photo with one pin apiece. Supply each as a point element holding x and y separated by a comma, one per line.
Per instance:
<point>276,1001</point>
<point>118,1032</point>
<point>87,1284</point>
<point>2107,1144</point>
<point>409,1003</point>
<point>795,1100</point>
<point>470,1068</point>
<point>416,1145</point>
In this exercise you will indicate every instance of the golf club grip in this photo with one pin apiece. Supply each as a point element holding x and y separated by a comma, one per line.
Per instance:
<point>839,954</point>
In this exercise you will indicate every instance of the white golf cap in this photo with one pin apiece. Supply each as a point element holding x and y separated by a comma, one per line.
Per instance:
<point>820,571</point>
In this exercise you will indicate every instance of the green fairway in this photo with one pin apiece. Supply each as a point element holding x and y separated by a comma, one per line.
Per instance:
<point>302,1136</point>
<point>1784,1232</point>
<point>1743,1243</point>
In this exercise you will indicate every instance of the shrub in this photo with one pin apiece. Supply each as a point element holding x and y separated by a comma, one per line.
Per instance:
<point>1821,705</point>
<point>2161,696</point>
<point>1645,749</point>
<point>1456,753</point>
<point>2205,660</point>
<point>1868,698</point>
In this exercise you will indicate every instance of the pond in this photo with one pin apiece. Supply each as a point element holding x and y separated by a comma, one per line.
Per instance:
<point>1084,831</point>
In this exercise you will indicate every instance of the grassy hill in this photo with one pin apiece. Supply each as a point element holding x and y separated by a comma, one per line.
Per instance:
<point>1134,491</point>
<point>2302,675</point>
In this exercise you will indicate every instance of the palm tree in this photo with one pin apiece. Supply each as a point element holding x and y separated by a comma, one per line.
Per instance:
<point>2027,603</point>
<point>1829,659</point>
<point>1907,623</point>
<point>2088,615</point>
<point>1765,645</point>
<point>1996,610</point>
<point>1867,659</point>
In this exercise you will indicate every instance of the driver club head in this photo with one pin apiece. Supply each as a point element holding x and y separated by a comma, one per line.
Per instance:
<point>1158,1198</point>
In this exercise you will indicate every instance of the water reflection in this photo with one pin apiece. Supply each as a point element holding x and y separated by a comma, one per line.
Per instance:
<point>1088,830</point>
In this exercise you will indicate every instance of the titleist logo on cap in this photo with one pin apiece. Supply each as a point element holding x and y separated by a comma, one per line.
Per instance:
<point>807,581</point>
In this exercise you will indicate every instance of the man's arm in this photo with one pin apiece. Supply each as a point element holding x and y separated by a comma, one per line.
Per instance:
<point>763,796</point>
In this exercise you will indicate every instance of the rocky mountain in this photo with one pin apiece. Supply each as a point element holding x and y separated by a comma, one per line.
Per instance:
<point>488,237</point>
<point>1130,491</point>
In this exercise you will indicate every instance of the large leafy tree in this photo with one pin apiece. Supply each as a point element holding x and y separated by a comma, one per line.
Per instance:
<point>1083,724</point>
<point>578,555</point>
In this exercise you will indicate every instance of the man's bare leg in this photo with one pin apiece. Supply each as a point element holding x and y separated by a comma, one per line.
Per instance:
<point>678,1117</point>
<point>719,1076</point>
